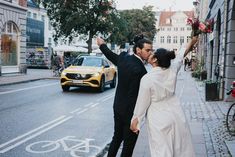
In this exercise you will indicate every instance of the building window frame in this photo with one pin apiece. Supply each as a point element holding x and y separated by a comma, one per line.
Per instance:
<point>9,44</point>
<point>168,39</point>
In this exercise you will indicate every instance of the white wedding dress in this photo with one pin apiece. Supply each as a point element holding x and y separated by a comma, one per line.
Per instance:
<point>168,131</point>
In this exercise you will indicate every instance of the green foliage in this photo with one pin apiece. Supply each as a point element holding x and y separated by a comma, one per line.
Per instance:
<point>133,22</point>
<point>70,18</point>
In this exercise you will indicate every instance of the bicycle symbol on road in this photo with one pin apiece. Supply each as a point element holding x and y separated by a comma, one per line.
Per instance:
<point>78,148</point>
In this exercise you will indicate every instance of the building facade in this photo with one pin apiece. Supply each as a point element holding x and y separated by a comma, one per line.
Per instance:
<point>12,36</point>
<point>172,29</point>
<point>220,45</point>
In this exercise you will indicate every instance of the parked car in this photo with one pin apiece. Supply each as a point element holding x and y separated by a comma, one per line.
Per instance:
<point>89,71</point>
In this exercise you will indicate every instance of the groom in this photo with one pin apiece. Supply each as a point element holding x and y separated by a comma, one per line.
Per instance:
<point>130,71</point>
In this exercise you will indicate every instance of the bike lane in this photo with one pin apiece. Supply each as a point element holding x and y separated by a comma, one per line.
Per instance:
<point>72,134</point>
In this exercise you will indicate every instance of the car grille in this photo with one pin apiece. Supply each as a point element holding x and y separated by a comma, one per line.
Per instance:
<point>78,76</point>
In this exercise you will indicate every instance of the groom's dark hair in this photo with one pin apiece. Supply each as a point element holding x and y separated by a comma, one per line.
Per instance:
<point>139,42</point>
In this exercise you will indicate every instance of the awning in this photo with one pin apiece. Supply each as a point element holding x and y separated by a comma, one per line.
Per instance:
<point>66,48</point>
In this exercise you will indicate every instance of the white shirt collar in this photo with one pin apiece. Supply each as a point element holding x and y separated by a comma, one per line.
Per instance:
<point>139,58</point>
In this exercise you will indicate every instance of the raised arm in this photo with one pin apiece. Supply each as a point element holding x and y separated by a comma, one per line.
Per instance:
<point>113,57</point>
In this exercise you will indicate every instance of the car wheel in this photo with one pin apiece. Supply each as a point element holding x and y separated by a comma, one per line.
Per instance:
<point>113,83</point>
<point>102,84</point>
<point>65,88</point>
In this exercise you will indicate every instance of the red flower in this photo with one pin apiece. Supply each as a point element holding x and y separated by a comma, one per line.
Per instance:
<point>200,27</point>
<point>189,21</point>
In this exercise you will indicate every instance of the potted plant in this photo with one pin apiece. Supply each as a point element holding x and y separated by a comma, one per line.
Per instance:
<point>211,90</point>
<point>203,75</point>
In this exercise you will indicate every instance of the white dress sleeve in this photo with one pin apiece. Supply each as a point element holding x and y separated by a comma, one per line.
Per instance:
<point>143,100</point>
<point>178,61</point>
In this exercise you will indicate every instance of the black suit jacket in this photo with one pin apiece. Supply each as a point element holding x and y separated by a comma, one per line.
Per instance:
<point>130,71</point>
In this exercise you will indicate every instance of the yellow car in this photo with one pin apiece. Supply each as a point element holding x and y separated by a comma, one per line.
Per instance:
<point>89,71</point>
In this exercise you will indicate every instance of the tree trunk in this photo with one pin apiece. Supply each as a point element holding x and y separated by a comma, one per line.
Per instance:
<point>89,42</point>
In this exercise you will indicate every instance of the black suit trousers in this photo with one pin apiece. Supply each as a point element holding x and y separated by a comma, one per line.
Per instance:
<point>123,133</point>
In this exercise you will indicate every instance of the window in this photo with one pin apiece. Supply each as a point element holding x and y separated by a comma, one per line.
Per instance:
<point>9,44</point>
<point>168,39</point>
<point>182,28</point>
<point>15,1</point>
<point>188,38</point>
<point>43,18</point>
<point>162,29</point>
<point>175,39</point>
<point>106,64</point>
<point>29,14</point>
<point>169,29</point>
<point>49,26</point>
<point>181,39</point>
<point>49,40</point>
<point>175,28</point>
<point>34,15</point>
<point>162,39</point>
<point>168,21</point>
<point>189,28</point>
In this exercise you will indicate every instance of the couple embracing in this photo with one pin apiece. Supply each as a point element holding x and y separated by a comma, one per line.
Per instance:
<point>150,96</point>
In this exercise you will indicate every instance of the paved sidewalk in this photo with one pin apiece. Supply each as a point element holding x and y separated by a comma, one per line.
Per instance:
<point>206,119</point>
<point>32,75</point>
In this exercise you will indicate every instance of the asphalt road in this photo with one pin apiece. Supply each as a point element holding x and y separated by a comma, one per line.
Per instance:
<point>38,119</point>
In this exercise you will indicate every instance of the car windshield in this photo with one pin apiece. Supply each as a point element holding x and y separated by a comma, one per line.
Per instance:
<point>86,61</point>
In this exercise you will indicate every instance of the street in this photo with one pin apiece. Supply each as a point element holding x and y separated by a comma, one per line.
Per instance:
<point>36,112</point>
<point>38,119</point>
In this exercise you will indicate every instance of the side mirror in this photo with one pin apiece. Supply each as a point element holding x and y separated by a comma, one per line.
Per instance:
<point>106,66</point>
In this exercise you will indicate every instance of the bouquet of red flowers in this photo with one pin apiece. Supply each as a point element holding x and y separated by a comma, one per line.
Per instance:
<point>199,27</point>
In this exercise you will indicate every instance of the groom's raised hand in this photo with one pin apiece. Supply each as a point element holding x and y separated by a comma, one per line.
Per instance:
<point>99,41</point>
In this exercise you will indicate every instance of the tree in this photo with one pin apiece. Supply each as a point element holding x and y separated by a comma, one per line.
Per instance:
<point>71,18</point>
<point>134,22</point>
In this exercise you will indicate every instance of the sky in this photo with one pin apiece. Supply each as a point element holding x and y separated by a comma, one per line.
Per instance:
<point>159,5</point>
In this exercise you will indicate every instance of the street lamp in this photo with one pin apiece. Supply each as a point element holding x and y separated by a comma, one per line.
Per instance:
<point>233,60</point>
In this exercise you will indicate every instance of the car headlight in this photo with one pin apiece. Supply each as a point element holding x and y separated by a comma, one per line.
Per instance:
<point>96,74</point>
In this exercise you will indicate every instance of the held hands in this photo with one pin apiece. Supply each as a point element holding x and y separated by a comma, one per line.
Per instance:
<point>134,126</point>
<point>99,41</point>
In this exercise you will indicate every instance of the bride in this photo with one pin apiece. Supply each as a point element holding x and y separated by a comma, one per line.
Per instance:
<point>168,131</point>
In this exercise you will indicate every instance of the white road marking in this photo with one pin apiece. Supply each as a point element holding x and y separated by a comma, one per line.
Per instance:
<point>44,128</point>
<point>105,97</point>
<point>111,96</point>
<point>30,132</point>
<point>76,110</point>
<point>94,105</point>
<point>89,104</point>
<point>22,89</point>
<point>84,110</point>
<point>34,135</point>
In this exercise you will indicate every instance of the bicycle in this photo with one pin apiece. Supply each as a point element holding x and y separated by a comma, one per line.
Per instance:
<point>230,116</point>
<point>57,70</point>
<point>76,149</point>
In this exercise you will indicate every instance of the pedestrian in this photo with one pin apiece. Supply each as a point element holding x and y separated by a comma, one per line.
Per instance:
<point>56,64</point>
<point>186,63</point>
<point>130,71</point>
<point>168,131</point>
